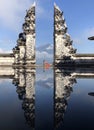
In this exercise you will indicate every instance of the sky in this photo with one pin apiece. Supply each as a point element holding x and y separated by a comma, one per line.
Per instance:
<point>79,16</point>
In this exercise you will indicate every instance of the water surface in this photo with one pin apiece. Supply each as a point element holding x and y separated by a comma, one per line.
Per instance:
<point>46,99</point>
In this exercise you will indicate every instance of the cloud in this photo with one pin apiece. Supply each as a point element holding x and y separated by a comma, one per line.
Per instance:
<point>12,12</point>
<point>77,41</point>
<point>5,41</point>
<point>83,36</point>
<point>39,11</point>
<point>89,32</point>
<point>50,47</point>
<point>43,54</point>
<point>5,51</point>
<point>6,45</point>
<point>5,81</point>
<point>42,77</point>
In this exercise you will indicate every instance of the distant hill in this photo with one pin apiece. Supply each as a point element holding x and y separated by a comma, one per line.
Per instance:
<point>44,52</point>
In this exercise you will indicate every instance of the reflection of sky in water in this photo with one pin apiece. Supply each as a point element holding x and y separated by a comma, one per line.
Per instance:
<point>79,112</point>
<point>11,114</point>
<point>44,100</point>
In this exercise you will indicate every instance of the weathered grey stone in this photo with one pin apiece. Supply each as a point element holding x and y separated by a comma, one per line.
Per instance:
<point>63,88</point>
<point>26,40</point>
<point>62,40</point>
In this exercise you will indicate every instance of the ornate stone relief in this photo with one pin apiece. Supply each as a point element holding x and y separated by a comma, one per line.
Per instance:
<point>26,40</point>
<point>63,88</point>
<point>62,41</point>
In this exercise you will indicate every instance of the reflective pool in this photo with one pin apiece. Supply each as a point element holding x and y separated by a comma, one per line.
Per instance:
<point>47,100</point>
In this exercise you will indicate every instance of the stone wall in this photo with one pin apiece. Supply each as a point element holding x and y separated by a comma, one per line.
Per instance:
<point>6,71</point>
<point>6,59</point>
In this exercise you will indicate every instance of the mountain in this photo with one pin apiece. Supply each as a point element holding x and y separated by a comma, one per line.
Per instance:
<point>44,52</point>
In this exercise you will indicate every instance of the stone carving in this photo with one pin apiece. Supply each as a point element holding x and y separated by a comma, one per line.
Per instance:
<point>30,93</point>
<point>62,41</point>
<point>21,79</point>
<point>30,48</point>
<point>30,37</point>
<point>16,55</point>
<point>26,40</point>
<point>63,88</point>
<point>21,46</point>
<point>24,79</point>
<point>22,53</point>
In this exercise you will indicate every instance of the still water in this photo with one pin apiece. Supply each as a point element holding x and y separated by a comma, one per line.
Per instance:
<point>47,100</point>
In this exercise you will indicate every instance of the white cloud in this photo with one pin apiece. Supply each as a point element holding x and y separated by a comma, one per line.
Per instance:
<point>89,32</point>
<point>83,36</point>
<point>43,54</point>
<point>77,41</point>
<point>39,11</point>
<point>12,12</point>
<point>50,47</point>
<point>42,76</point>
<point>5,51</point>
<point>5,41</point>
<point>4,81</point>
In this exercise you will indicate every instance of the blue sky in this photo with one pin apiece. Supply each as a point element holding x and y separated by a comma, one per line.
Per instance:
<point>79,15</point>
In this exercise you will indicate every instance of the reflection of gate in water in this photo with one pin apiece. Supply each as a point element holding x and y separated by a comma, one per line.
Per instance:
<point>64,80</point>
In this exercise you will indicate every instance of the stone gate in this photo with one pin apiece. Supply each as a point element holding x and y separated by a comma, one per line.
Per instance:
<point>64,53</point>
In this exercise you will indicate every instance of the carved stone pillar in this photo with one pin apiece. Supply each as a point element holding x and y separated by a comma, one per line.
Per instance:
<point>30,49</point>
<point>16,77</point>
<point>16,55</point>
<point>29,29</point>
<point>21,45</point>
<point>30,88</point>
<point>26,40</point>
<point>63,87</point>
<point>26,92</point>
<point>21,78</point>
<point>63,49</point>
<point>29,100</point>
<point>21,54</point>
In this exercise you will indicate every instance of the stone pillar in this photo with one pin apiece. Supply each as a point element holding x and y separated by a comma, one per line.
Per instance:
<point>26,40</point>
<point>26,92</point>
<point>29,29</point>
<point>21,45</point>
<point>30,84</point>
<point>63,49</point>
<point>63,87</point>
<point>29,100</point>
<point>22,80</point>
<point>19,81</point>
<point>16,77</point>
<point>16,55</point>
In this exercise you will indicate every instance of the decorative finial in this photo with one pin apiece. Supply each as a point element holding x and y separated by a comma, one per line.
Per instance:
<point>57,7</point>
<point>54,4</point>
<point>34,4</point>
